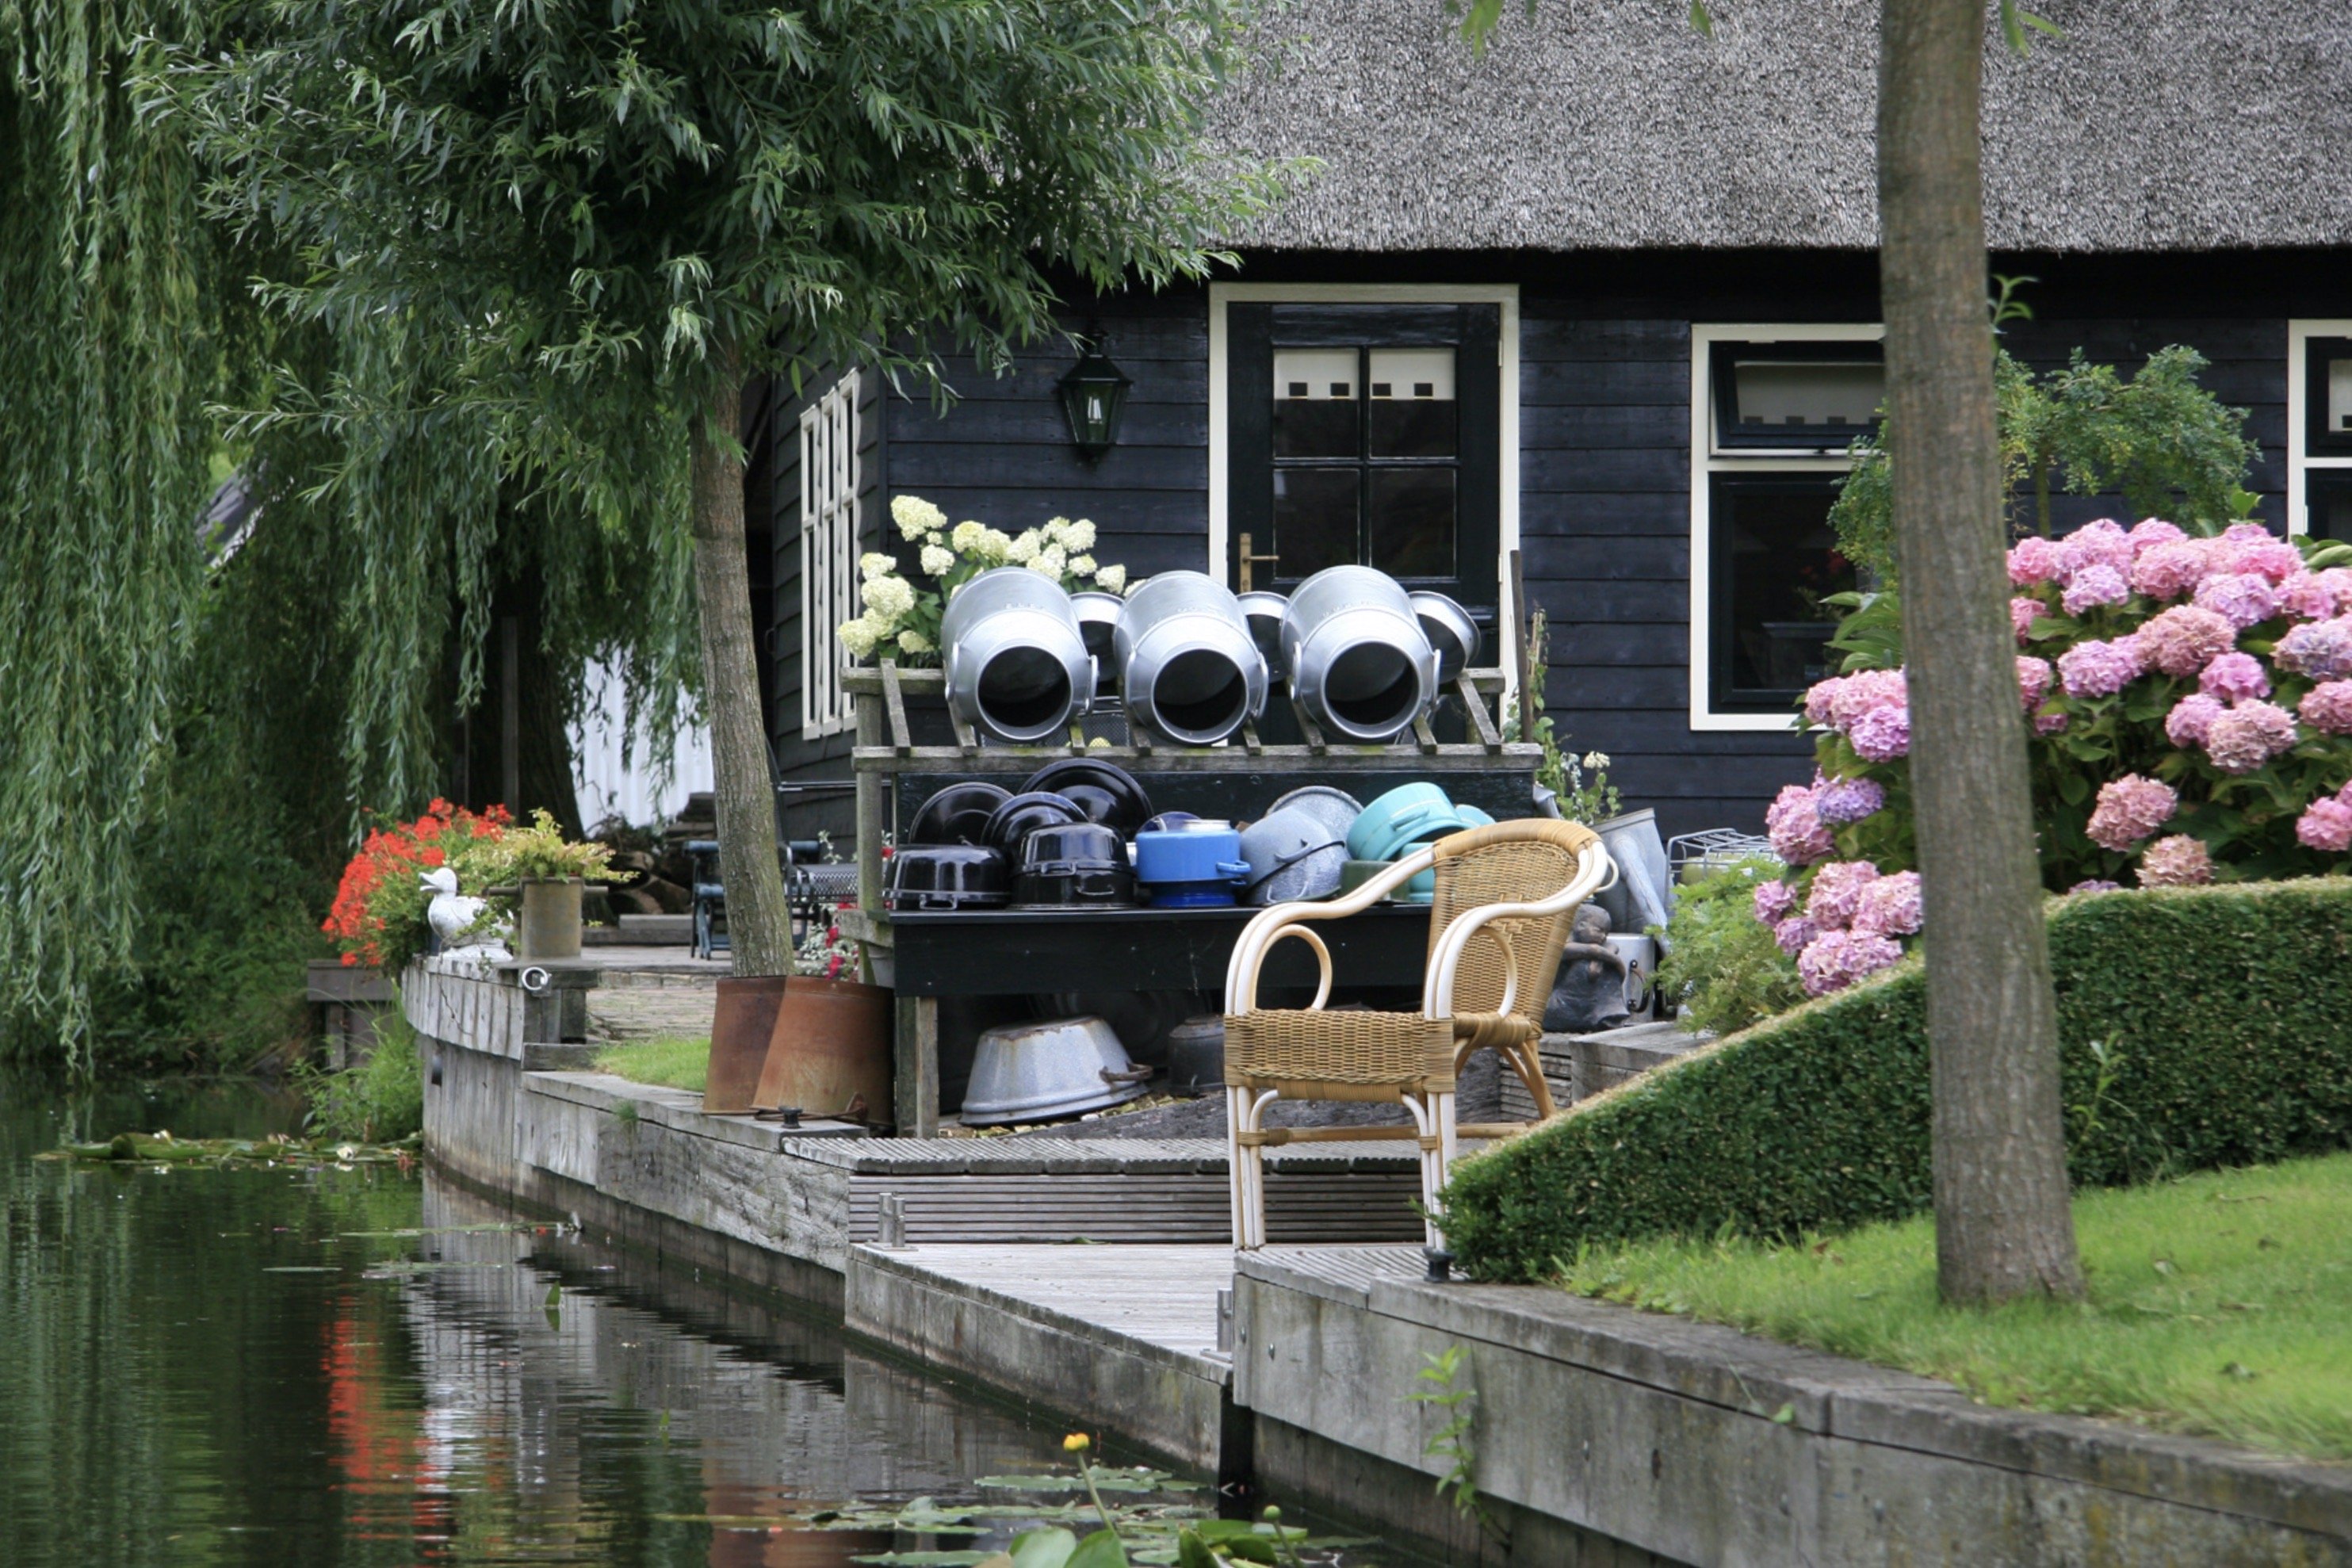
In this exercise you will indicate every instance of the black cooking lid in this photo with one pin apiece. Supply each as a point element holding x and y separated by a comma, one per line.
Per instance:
<point>1105,792</point>
<point>948,876</point>
<point>957,815</point>
<point>1025,813</point>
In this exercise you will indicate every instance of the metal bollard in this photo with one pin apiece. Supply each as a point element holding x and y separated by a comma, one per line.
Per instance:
<point>892,1230</point>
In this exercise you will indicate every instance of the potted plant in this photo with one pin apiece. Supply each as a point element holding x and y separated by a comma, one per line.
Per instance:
<point>379,919</point>
<point>549,873</point>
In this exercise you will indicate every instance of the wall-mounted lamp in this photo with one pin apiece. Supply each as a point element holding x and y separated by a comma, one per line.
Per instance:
<point>1094,394</point>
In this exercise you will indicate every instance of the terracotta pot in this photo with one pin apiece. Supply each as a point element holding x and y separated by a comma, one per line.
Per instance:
<point>830,1053</point>
<point>548,923</point>
<point>740,1027</point>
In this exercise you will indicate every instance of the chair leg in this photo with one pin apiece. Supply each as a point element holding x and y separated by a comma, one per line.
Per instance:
<point>1441,1110</point>
<point>1246,1164</point>
<point>1528,1057</point>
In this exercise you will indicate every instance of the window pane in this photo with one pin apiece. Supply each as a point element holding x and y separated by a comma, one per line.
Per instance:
<point>1314,520</point>
<point>1800,395</point>
<point>1315,403</point>
<point>2330,503</point>
<point>1411,411</point>
<point>2339,396</point>
<point>1781,560</point>
<point>1412,521</point>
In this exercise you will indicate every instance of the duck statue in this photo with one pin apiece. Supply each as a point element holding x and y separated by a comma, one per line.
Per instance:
<point>452,915</point>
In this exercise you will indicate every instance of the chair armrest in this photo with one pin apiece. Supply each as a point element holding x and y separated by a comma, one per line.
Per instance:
<point>1275,921</point>
<point>1593,869</point>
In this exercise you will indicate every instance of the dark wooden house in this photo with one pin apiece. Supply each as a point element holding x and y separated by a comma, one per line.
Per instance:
<point>1628,275</point>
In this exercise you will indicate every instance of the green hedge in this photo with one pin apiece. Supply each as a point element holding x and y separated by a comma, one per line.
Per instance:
<point>2226,1018</point>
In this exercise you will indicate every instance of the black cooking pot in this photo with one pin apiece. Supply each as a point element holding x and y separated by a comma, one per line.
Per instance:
<point>957,815</point>
<point>1080,865</point>
<point>1023,814</point>
<point>1105,792</point>
<point>946,877</point>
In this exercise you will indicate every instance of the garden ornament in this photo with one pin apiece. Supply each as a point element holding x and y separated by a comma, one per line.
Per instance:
<point>452,915</point>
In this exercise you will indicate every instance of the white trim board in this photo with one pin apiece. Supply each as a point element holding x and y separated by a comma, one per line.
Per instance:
<point>1507,615</point>
<point>1704,336</point>
<point>2298,431</point>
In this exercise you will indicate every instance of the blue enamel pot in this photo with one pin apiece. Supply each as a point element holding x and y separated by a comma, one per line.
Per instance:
<point>1189,868</point>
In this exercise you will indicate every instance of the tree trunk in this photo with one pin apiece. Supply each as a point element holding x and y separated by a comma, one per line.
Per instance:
<point>2004,1223</point>
<point>759,924</point>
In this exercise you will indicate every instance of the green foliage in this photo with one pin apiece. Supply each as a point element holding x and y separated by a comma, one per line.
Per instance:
<point>2170,447</point>
<point>539,850</point>
<point>1721,962</point>
<point>671,1061</point>
<point>2223,1018</point>
<point>380,1102</point>
<point>1451,1393</point>
<point>2214,1305</point>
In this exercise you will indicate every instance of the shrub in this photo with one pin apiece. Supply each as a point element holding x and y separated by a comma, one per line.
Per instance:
<point>1720,963</point>
<point>2199,1028</point>
<point>901,621</point>
<point>381,1100</point>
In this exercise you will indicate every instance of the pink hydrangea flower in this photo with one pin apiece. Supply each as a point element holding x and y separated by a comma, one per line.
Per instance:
<point>2130,809</point>
<point>2327,706</point>
<point>2050,723</point>
<point>1866,692</point>
<point>1836,889</point>
<point>1882,735</point>
<point>1795,828</point>
<point>2179,861</point>
<point>2326,825</point>
<point>2032,559</point>
<point>2150,532</point>
<point>1793,935</point>
<point>2167,570</point>
<point>2235,676</point>
<point>1773,900</point>
<point>2096,669</point>
<point>2190,718</point>
<point>2185,639</point>
<point>2022,614</point>
<point>2248,735</point>
<point>2096,884</point>
<point>2033,676</point>
<point>1889,907</point>
<point>2308,596</point>
<point>1844,802</point>
<point>2321,649</point>
<point>2242,598</point>
<point>2096,584</point>
<point>1820,696</point>
<point>2271,559</point>
<point>2100,543</point>
<point>1836,959</point>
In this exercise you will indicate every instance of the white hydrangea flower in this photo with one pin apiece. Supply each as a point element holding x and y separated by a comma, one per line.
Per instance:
<point>1052,559</point>
<point>1112,578</point>
<point>995,547</point>
<point>1596,760</point>
<point>888,598</point>
<point>912,641</point>
<point>967,537</point>
<point>1082,566</point>
<point>1130,590</point>
<point>1045,569</point>
<point>874,564</point>
<point>916,518</point>
<point>937,560</point>
<point>1056,530</point>
<point>1024,547</point>
<point>856,638</point>
<point>1079,535</point>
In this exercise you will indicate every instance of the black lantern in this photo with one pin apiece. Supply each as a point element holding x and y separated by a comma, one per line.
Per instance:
<point>1094,393</point>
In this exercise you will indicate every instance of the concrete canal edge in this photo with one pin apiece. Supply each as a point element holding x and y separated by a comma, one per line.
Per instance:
<point>1602,1437</point>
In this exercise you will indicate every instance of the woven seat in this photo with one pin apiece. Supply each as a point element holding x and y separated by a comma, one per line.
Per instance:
<point>1506,896</point>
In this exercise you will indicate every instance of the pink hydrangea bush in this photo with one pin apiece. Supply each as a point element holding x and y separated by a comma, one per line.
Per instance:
<point>2188,709</point>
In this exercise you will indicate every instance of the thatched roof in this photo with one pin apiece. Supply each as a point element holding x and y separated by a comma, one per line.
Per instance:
<point>1612,125</point>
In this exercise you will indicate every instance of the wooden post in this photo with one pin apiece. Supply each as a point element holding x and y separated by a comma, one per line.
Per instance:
<point>1519,610</point>
<point>915,1079</point>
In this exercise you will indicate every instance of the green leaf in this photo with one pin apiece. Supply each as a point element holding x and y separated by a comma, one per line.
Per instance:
<point>1194,1553</point>
<point>2074,788</point>
<point>1103,1549</point>
<point>1048,1548</point>
<point>1701,20</point>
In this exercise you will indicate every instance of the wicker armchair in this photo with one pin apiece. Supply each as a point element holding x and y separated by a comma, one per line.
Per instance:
<point>1505,898</point>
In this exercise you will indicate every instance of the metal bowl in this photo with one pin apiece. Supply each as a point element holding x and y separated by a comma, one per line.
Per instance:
<point>1031,1072</point>
<point>1450,629</point>
<point>1292,855</point>
<point>1335,808</point>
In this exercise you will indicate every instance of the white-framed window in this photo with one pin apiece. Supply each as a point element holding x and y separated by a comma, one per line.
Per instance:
<point>828,553</point>
<point>2319,428</point>
<point>1419,469</point>
<point>1774,407</point>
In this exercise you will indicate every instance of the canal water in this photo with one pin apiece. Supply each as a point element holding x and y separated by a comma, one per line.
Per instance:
<point>368,1367</point>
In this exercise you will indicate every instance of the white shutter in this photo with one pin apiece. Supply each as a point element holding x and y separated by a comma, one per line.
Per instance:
<point>828,553</point>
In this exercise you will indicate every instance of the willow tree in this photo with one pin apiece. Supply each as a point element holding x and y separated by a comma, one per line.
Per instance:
<point>616,213</point>
<point>2004,1224</point>
<point>111,345</point>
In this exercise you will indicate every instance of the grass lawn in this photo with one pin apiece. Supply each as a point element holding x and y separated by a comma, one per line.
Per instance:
<point>2220,1304</point>
<point>672,1061</point>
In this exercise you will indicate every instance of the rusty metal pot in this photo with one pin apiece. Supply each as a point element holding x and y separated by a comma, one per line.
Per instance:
<point>829,1055</point>
<point>740,1027</point>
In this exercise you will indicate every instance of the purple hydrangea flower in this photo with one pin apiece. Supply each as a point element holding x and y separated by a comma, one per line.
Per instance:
<point>2185,639</point>
<point>1793,935</point>
<point>2308,596</point>
<point>2242,598</point>
<point>2150,532</point>
<point>2096,884</point>
<point>2248,735</point>
<point>1882,735</point>
<point>2271,559</point>
<point>2032,559</point>
<point>1836,959</point>
<point>2190,718</point>
<point>2096,669</point>
<point>2033,676</point>
<point>2130,809</point>
<point>1836,889</point>
<point>2096,584</point>
<point>1890,907</point>
<point>2179,861</point>
<point>2321,649</point>
<point>1773,900</point>
<point>1844,802</point>
<point>2022,614</point>
<point>1865,692</point>
<point>2170,569</point>
<point>1795,827</point>
<point>2050,723</point>
<point>2327,706</point>
<point>2235,676</point>
<point>2095,544</point>
<point>2326,825</point>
